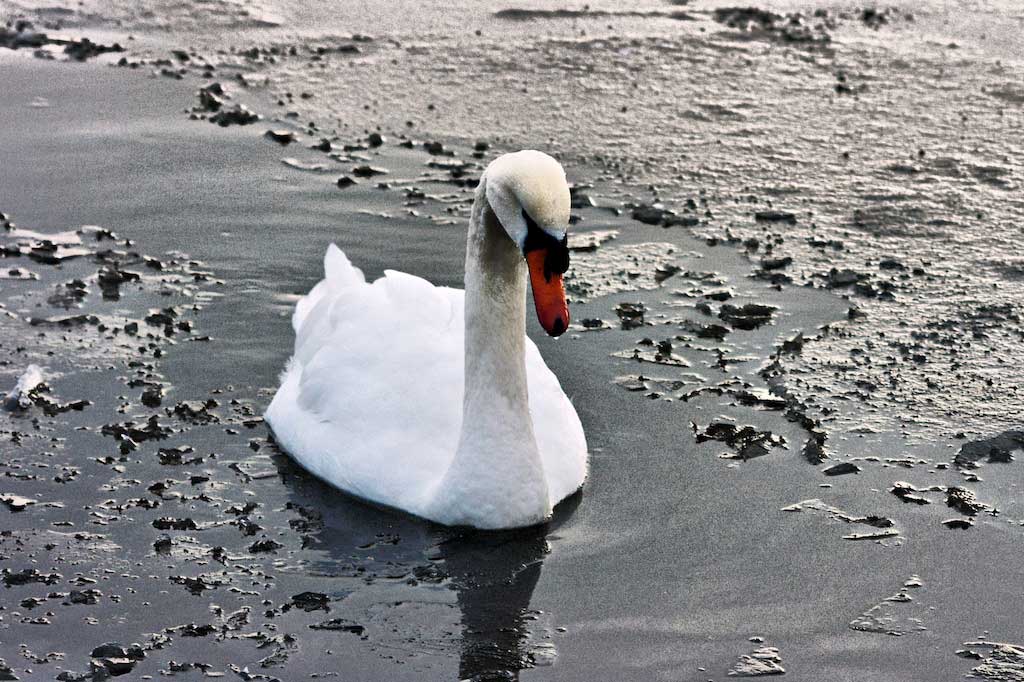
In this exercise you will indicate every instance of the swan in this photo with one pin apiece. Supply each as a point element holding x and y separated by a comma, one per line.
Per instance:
<point>432,400</point>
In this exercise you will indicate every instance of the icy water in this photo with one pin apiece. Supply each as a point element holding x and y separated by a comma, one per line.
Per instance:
<point>855,177</point>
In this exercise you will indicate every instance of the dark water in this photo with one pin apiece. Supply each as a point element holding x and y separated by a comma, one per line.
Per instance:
<point>669,563</point>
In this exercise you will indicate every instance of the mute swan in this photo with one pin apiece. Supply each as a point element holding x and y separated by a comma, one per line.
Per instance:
<point>433,400</point>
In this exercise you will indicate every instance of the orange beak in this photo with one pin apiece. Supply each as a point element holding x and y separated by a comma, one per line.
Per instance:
<point>548,294</point>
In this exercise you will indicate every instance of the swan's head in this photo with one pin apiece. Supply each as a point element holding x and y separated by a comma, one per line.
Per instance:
<point>529,195</point>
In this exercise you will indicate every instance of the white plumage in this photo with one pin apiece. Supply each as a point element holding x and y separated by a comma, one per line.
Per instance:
<point>373,398</point>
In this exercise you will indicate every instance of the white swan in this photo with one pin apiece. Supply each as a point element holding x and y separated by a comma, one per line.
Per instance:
<point>430,399</point>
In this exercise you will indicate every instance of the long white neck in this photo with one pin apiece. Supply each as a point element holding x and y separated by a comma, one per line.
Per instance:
<point>496,478</point>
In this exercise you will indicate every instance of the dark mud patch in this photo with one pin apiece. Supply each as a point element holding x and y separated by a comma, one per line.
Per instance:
<point>520,14</point>
<point>808,30</point>
<point>16,503</point>
<point>1012,93</point>
<point>967,503</point>
<point>1000,448</point>
<point>886,527</point>
<point>746,442</point>
<point>237,115</point>
<point>751,23</point>
<point>22,34</point>
<point>841,469</point>
<point>895,615</point>
<point>747,316</point>
<point>762,661</point>
<point>661,355</point>
<point>658,214</point>
<point>213,106</point>
<point>958,498</point>
<point>631,315</point>
<point>1000,662</point>
<point>798,412</point>
<point>913,495</point>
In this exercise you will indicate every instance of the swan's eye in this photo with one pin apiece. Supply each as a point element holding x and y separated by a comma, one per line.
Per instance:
<point>558,256</point>
<point>556,252</point>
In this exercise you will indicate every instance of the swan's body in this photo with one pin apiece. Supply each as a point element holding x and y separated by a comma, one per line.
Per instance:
<point>430,399</point>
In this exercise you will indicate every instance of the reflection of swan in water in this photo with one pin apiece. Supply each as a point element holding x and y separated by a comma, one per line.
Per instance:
<point>493,575</point>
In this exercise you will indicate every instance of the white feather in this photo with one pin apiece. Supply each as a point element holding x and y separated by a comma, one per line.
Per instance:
<point>372,402</point>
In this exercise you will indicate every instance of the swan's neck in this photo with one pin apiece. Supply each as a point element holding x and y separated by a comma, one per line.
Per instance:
<point>496,474</point>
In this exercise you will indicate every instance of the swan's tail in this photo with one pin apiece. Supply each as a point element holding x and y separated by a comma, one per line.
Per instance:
<point>339,274</point>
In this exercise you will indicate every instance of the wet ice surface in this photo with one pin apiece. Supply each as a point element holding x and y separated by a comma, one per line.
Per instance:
<point>677,549</point>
